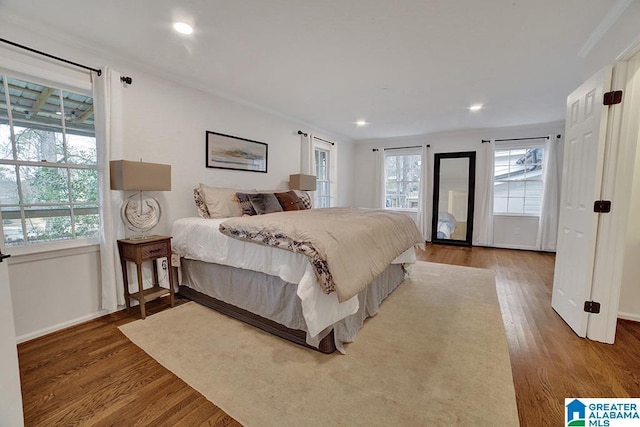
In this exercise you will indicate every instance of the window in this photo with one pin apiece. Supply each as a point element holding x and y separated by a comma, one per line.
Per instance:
<point>323,183</point>
<point>402,179</point>
<point>48,164</point>
<point>517,186</point>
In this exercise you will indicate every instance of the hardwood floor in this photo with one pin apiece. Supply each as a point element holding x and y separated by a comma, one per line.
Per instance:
<point>91,374</point>
<point>549,362</point>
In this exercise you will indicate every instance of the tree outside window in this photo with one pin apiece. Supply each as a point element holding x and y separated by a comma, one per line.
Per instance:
<point>48,164</point>
<point>402,180</point>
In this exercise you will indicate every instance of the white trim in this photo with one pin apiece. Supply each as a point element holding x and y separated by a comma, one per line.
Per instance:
<point>51,251</point>
<point>630,51</point>
<point>604,26</point>
<point>60,326</point>
<point>511,216</point>
<point>520,145</point>
<point>401,210</point>
<point>519,247</point>
<point>629,316</point>
<point>332,153</point>
<point>622,137</point>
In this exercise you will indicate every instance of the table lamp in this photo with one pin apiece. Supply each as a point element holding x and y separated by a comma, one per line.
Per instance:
<point>302,182</point>
<point>140,212</point>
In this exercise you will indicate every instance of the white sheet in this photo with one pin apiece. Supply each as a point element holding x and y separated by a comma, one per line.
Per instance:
<point>200,239</point>
<point>446,225</point>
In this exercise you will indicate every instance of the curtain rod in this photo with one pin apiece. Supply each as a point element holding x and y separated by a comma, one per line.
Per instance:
<point>520,139</point>
<point>315,137</point>
<point>324,140</point>
<point>399,148</point>
<point>123,79</point>
<point>57,58</point>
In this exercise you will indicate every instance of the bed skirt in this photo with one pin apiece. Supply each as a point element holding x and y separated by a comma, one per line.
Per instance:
<point>272,304</point>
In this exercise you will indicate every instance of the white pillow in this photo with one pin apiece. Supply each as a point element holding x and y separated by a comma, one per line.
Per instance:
<point>221,202</point>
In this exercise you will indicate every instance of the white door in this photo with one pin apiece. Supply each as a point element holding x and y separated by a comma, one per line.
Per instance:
<point>585,133</point>
<point>10,395</point>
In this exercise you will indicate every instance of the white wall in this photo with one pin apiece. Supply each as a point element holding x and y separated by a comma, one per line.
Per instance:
<point>630,290</point>
<point>53,291</point>
<point>10,396</point>
<point>525,237</point>
<point>515,232</point>
<point>164,122</point>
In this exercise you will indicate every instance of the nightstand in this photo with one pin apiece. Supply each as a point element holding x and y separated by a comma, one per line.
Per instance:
<point>138,251</point>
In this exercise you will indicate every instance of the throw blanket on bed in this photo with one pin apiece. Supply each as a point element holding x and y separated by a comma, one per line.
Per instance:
<point>347,247</point>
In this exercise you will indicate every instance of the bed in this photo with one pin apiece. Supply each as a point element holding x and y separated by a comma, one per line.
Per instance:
<point>446,225</point>
<point>281,290</point>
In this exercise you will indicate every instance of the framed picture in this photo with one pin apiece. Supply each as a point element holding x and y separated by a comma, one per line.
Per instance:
<point>231,152</point>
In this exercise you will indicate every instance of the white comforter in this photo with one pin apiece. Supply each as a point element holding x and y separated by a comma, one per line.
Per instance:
<point>200,239</point>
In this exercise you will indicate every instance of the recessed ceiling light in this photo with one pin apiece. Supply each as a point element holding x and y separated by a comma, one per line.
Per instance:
<point>361,123</point>
<point>183,28</point>
<point>475,107</point>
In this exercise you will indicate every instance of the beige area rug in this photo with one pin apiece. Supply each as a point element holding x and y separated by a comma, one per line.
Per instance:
<point>435,355</point>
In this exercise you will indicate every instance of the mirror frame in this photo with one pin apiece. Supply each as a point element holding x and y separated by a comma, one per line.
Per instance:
<point>471,155</point>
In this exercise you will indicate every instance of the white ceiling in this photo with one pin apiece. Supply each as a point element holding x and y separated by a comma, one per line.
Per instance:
<point>408,67</point>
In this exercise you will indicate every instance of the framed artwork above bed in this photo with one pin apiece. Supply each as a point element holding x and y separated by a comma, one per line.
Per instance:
<point>232,152</point>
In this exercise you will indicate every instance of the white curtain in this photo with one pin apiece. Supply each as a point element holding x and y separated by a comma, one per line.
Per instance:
<point>307,155</point>
<point>424,213</point>
<point>379,179</point>
<point>307,161</point>
<point>550,211</point>
<point>107,101</point>
<point>484,224</point>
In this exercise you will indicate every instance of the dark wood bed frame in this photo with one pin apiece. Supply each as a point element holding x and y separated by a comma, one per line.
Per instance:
<point>326,345</point>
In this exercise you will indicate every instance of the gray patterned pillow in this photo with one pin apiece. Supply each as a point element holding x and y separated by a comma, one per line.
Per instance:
<point>203,211</point>
<point>245,204</point>
<point>265,203</point>
<point>305,199</point>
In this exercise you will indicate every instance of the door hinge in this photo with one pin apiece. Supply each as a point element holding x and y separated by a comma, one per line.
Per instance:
<point>592,307</point>
<point>612,98</point>
<point>602,206</point>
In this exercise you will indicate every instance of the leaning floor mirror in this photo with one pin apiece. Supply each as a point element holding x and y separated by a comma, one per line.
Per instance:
<point>453,195</point>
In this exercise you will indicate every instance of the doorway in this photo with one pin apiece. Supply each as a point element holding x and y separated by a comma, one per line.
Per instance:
<point>453,196</point>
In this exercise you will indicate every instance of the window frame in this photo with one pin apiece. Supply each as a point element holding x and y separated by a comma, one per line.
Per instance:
<point>398,153</point>
<point>512,146</point>
<point>71,206</point>
<point>320,196</point>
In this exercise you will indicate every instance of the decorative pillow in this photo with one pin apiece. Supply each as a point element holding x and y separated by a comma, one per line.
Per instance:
<point>305,199</point>
<point>265,203</point>
<point>221,202</point>
<point>245,204</point>
<point>203,212</point>
<point>289,201</point>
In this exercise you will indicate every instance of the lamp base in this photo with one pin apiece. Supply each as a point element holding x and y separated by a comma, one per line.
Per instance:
<point>140,213</point>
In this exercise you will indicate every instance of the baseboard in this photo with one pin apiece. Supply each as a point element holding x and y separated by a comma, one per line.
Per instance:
<point>629,316</point>
<point>518,247</point>
<point>59,326</point>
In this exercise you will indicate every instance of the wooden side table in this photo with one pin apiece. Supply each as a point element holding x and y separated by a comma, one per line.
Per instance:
<point>141,250</point>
